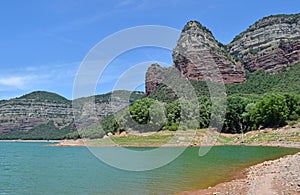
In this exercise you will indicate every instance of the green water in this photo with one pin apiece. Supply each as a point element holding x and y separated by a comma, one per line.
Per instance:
<point>33,168</point>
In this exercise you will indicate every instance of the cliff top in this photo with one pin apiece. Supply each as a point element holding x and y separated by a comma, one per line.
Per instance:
<point>45,96</point>
<point>271,20</point>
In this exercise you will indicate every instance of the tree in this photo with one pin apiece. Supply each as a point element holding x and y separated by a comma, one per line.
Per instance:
<point>139,111</point>
<point>293,104</point>
<point>204,111</point>
<point>148,115</point>
<point>234,120</point>
<point>173,115</point>
<point>270,111</point>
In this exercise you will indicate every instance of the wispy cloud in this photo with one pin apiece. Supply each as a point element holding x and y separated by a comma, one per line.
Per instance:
<point>57,78</point>
<point>127,3</point>
<point>145,4</point>
<point>15,81</point>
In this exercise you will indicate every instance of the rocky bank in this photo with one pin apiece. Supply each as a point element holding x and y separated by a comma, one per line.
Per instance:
<point>281,176</point>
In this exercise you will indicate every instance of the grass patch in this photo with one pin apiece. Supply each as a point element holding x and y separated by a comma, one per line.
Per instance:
<point>134,140</point>
<point>154,139</point>
<point>225,140</point>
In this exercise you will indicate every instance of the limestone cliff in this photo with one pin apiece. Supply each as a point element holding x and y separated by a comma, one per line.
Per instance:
<point>269,44</point>
<point>154,77</point>
<point>198,56</point>
<point>40,107</point>
<point>34,109</point>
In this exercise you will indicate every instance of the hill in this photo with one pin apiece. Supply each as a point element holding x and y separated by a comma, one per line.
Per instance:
<point>46,115</point>
<point>260,82</point>
<point>44,96</point>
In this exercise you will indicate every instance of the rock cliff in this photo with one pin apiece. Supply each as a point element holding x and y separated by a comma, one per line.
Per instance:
<point>40,107</point>
<point>34,109</point>
<point>269,44</point>
<point>154,77</point>
<point>198,56</point>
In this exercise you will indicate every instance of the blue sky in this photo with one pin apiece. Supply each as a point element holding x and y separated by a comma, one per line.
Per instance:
<point>44,42</point>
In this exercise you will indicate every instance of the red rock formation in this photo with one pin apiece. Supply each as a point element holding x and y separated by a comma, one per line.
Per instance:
<point>270,44</point>
<point>199,56</point>
<point>154,76</point>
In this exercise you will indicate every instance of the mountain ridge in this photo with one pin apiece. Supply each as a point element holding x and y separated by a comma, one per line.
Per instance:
<point>270,44</point>
<point>32,111</point>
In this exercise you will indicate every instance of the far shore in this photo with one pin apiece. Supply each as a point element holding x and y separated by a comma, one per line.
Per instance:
<point>288,136</point>
<point>81,142</point>
<point>84,142</point>
<point>31,141</point>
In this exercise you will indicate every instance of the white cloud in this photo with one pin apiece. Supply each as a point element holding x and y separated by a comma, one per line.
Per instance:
<point>15,81</point>
<point>57,77</point>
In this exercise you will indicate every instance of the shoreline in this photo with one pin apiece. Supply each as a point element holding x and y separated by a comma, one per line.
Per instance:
<point>29,141</point>
<point>83,142</point>
<point>72,144</point>
<point>287,136</point>
<point>269,177</point>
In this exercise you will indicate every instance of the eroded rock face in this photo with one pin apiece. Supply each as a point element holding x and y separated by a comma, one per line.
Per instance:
<point>37,108</point>
<point>22,114</point>
<point>199,56</point>
<point>154,76</point>
<point>269,44</point>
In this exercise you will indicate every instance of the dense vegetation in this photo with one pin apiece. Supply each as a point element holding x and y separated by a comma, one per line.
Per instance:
<point>265,100</point>
<point>242,114</point>
<point>286,81</point>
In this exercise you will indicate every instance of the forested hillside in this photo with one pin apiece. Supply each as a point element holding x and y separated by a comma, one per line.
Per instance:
<point>265,100</point>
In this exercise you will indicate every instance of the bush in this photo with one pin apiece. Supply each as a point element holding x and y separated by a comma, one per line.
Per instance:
<point>270,111</point>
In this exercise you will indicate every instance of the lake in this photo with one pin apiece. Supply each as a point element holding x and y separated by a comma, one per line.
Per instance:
<point>34,168</point>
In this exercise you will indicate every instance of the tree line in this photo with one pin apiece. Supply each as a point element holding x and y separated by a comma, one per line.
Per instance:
<point>240,114</point>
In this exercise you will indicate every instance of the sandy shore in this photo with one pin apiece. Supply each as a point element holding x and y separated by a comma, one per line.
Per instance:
<point>281,176</point>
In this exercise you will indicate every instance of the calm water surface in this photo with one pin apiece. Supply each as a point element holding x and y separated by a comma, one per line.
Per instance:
<point>34,168</point>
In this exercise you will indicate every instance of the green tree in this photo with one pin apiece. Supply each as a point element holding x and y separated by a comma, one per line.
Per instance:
<point>173,115</point>
<point>139,111</point>
<point>234,118</point>
<point>204,111</point>
<point>148,114</point>
<point>270,111</point>
<point>293,104</point>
